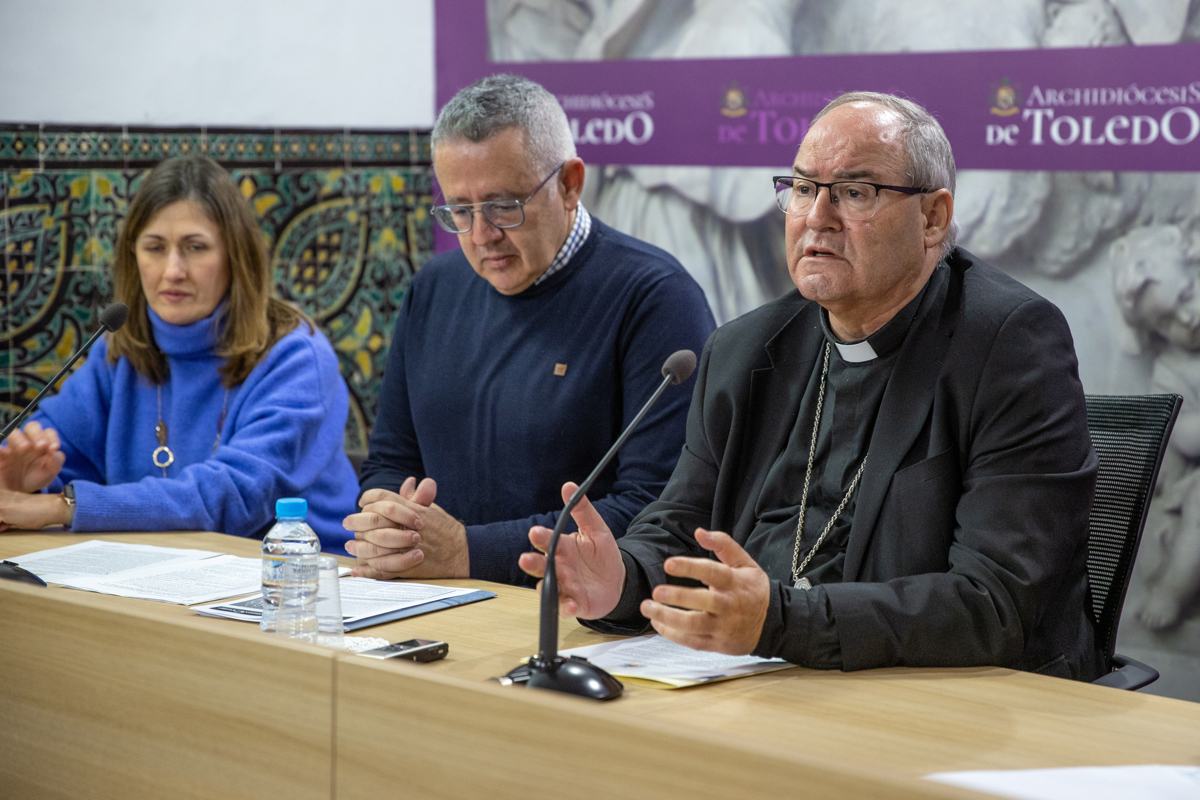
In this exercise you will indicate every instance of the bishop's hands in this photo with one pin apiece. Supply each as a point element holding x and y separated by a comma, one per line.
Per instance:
<point>727,614</point>
<point>588,565</point>
<point>406,534</point>
<point>30,459</point>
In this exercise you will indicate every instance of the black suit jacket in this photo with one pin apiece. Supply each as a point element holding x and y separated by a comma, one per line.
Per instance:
<point>968,539</point>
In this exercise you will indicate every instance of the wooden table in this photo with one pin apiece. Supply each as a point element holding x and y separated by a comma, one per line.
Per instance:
<point>111,697</point>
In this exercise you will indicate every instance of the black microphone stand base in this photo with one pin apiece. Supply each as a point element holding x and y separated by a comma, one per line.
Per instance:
<point>569,675</point>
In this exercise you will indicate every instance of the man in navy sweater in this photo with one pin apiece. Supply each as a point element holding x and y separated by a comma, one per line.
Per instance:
<point>517,360</point>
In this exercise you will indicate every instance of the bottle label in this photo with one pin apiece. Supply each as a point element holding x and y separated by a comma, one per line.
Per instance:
<point>274,576</point>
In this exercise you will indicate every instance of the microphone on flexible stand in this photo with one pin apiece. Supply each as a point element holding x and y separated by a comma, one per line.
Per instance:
<point>111,319</point>
<point>576,675</point>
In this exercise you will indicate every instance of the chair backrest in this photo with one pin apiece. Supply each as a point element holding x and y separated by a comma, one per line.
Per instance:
<point>357,457</point>
<point>1129,434</point>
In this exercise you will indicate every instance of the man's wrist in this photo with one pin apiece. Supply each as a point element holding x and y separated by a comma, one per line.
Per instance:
<point>463,565</point>
<point>634,589</point>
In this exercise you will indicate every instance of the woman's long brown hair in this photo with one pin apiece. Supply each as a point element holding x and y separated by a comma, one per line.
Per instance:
<point>254,319</point>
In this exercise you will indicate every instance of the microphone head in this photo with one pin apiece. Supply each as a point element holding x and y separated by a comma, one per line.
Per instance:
<point>114,316</point>
<point>679,366</point>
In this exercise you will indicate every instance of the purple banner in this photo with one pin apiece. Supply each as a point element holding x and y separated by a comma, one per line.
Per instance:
<point>1110,108</point>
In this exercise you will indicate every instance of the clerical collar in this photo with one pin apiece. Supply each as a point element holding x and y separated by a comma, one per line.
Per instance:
<point>884,341</point>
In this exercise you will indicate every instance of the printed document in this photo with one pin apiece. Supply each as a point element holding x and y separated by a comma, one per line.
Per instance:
<point>170,574</point>
<point>96,559</point>
<point>186,582</point>
<point>654,658</point>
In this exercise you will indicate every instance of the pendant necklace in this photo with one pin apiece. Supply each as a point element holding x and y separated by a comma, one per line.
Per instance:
<point>797,565</point>
<point>163,456</point>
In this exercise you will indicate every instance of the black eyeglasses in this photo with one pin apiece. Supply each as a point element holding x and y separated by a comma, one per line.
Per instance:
<point>505,214</point>
<point>854,200</point>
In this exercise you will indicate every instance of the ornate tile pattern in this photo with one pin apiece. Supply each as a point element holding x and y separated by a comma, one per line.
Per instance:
<point>345,215</point>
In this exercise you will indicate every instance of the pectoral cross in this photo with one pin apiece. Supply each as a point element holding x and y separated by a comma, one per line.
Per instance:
<point>803,583</point>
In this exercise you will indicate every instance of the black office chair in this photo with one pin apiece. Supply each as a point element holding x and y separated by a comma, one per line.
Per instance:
<point>1129,433</point>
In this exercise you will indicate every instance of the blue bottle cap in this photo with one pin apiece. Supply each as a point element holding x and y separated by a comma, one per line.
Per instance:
<point>291,508</point>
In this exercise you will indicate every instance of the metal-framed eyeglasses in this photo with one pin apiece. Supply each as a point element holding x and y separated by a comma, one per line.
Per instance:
<point>857,201</point>
<point>506,214</point>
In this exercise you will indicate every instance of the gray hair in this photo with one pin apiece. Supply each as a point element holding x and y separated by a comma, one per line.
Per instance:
<point>498,102</point>
<point>926,148</point>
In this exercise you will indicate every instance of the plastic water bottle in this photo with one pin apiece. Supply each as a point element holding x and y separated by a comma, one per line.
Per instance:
<point>289,572</point>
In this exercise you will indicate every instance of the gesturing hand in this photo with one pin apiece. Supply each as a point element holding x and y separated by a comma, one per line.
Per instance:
<point>726,615</point>
<point>30,459</point>
<point>588,564</point>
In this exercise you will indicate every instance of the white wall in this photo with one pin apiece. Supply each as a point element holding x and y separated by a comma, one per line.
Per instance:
<point>260,63</point>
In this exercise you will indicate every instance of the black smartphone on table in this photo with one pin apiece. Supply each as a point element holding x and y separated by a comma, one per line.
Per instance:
<point>421,650</point>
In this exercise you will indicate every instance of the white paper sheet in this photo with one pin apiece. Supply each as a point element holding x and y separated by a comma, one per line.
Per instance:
<point>185,581</point>
<point>1162,782</point>
<point>654,658</point>
<point>95,558</point>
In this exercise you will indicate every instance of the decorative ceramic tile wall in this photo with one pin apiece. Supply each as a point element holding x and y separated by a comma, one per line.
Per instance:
<point>345,215</point>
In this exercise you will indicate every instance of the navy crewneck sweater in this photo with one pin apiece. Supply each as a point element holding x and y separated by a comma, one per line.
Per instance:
<point>502,399</point>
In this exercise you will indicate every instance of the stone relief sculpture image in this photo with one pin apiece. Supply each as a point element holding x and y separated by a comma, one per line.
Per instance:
<point>1111,249</point>
<point>1157,285</point>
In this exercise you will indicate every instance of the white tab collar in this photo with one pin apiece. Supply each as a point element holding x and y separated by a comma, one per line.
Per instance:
<point>856,353</point>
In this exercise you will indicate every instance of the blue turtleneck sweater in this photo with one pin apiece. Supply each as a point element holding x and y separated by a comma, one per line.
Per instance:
<point>281,437</point>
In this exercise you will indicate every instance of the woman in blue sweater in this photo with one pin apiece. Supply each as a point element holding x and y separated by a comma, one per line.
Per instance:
<point>213,400</point>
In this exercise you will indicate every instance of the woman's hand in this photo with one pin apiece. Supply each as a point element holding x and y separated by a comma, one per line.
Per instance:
<point>32,511</point>
<point>30,459</point>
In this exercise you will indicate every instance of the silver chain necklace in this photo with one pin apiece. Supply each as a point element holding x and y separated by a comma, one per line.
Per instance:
<point>798,565</point>
<point>163,456</point>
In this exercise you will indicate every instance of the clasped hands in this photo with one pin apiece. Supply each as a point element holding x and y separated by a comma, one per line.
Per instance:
<point>405,534</point>
<point>725,615</point>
